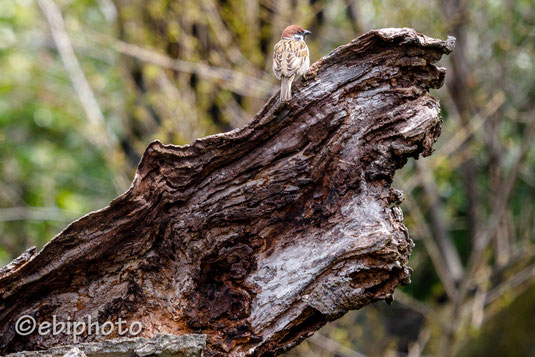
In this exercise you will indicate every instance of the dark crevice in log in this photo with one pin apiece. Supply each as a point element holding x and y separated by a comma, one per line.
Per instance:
<point>259,236</point>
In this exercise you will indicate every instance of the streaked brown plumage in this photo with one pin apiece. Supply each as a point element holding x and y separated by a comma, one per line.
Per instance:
<point>290,58</point>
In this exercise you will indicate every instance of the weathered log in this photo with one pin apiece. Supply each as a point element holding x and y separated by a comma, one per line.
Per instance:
<point>259,236</point>
<point>164,344</point>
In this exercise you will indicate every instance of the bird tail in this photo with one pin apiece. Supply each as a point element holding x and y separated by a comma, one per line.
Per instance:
<point>286,88</point>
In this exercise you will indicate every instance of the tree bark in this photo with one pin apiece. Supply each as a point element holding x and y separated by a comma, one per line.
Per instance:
<point>259,236</point>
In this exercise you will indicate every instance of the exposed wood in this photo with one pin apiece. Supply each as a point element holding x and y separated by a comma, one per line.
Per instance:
<point>259,236</point>
<point>161,344</point>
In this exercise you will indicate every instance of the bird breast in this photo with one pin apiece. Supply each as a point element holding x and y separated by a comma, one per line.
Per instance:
<point>290,57</point>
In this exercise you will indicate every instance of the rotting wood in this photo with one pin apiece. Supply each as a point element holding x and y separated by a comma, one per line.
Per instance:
<point>259,236</point>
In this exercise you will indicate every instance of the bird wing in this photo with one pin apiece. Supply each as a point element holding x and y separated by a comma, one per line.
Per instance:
<point>288,57</point>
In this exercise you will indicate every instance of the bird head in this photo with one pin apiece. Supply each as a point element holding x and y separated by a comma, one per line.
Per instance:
<point>295,32</point>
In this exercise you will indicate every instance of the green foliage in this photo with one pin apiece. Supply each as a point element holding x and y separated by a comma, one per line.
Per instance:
<point>50,171</point>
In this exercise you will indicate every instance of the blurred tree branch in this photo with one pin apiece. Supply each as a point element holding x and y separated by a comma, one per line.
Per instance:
<point>104,136</point>
<point>100,133</point>
<point>234,80</point>
<point>35,213</point>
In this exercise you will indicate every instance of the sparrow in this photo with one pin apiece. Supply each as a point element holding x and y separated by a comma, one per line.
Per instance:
<point>290,58</point>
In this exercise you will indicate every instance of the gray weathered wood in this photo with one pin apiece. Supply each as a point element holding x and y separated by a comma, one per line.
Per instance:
<point>161,344</point>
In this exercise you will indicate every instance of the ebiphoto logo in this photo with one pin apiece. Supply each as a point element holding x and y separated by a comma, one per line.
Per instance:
<point>26,325</point>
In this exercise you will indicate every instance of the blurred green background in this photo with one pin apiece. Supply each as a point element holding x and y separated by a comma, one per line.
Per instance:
<point>85,85</point>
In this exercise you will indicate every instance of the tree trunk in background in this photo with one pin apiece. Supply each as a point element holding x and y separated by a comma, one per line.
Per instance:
<point>257,237</point>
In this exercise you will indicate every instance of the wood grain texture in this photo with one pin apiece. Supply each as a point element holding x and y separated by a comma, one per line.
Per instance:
<point>259,236</point>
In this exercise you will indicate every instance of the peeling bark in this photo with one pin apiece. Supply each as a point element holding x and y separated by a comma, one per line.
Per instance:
<point>259,236</point>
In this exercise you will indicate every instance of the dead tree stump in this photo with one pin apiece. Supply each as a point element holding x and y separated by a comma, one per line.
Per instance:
<point>259,236</point>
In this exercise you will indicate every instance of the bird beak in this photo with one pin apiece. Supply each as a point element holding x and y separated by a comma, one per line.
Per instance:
<point>306,32</point>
